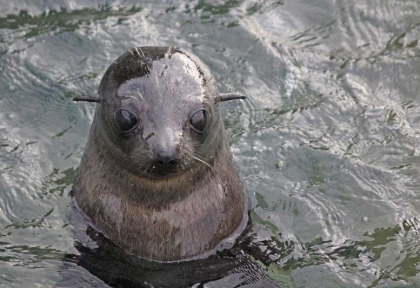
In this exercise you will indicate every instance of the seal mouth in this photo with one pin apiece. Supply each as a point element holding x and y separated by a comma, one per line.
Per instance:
<point>164,171</point>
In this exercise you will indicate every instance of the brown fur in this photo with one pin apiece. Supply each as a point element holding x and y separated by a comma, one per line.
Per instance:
<point>161,219</point>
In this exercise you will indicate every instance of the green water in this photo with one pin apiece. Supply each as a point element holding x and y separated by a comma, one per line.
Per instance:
<point>327,142</point>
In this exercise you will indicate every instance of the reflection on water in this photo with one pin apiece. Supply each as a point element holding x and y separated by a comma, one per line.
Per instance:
<point>327,141</point>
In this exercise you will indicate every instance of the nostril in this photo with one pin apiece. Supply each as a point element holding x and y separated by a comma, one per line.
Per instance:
<point>166,160</point>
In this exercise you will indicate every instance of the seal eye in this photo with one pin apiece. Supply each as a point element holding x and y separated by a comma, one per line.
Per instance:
<point>198,120</point>
<point>126,120</point>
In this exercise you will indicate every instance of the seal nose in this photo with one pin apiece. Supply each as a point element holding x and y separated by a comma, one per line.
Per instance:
<point>165,163</point>
<point>165,153</point>
<point>166,159</point>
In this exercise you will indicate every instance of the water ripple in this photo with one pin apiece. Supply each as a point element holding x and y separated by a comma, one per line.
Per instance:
<point>327,140</point>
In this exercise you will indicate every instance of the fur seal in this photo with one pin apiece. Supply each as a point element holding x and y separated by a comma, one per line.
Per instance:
<point>157,176</point>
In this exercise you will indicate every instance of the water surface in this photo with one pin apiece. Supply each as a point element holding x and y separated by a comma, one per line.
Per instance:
<point>327,141</point>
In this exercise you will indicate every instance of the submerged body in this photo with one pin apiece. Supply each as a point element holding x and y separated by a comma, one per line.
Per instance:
<point>157,176</point>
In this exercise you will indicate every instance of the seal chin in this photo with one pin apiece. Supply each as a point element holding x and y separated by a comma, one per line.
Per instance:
<point>163,173</point>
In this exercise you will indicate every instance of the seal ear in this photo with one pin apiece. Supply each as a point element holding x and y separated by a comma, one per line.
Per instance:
<point>229,96</point>
<point>87,98</point>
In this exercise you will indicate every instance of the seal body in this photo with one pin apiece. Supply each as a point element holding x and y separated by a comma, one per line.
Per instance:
<point>157,176</point>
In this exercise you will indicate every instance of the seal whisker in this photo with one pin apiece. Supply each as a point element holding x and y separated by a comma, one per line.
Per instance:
<point>141,52</point>
<point>198,158</point>
<point>139,94</point>
<point>204,162</point>
<point>147,167</point>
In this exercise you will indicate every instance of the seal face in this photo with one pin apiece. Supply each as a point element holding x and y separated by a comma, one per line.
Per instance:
<point>157,176</point>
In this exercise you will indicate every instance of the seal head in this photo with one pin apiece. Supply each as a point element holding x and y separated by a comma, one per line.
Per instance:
<point>157,176</point>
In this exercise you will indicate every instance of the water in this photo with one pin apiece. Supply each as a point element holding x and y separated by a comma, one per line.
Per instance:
<point>327,141</point>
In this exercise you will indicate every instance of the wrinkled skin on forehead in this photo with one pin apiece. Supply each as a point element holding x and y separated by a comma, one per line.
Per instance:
<point>173,86</point>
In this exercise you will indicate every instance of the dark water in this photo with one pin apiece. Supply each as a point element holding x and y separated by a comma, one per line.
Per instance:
<point>327,142</point>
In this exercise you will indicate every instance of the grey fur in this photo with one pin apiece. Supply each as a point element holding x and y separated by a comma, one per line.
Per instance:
<point>169,215</point>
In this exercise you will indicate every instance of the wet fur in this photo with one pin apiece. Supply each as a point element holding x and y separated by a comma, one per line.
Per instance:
<point>168,218</point>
